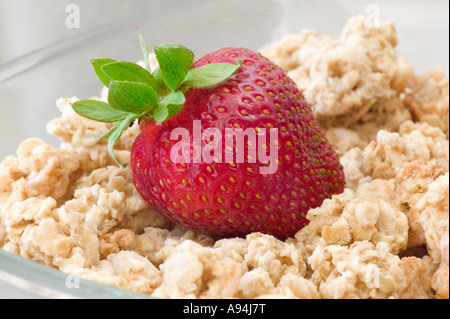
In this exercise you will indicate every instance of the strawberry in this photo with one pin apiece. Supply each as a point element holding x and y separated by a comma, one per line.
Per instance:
<point>232,90</point>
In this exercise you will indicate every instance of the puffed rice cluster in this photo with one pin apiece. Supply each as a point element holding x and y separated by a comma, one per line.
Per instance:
<point>385,236</point>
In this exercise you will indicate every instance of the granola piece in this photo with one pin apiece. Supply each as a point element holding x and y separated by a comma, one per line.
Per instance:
<point>158,243</point>
<point>80,135</point>
<point>138,273</point>
<point>254,283</point>
<point>435,218</point>
<point>271,268</point>
<point>257,283</point>
<point>384,157</point>
<point>114,242</point>
<point>353,80</point>
<point>290,287</point>
<point>38,170</point>
<point>352,163</point>
<point>300,287</point>
<point>193,271</point>
<point>47,233</point>
<point>418,272</point>
<point>125,269</point>
<point>41,228</point>
<point>236,247</point>
<point>427,96</point>
<point>344,139</point>
<point>440,281</point>
<point>361,270</point>
<point>9,173</point>
<point>411,183</point>
<point>434,207</point>
<point>139,215</point>
<point>365,215</point>
<point>114,178</point>
<point>275,257</point>
<point>440,150</point>
<point>30,225</point>
<point>261,260</point>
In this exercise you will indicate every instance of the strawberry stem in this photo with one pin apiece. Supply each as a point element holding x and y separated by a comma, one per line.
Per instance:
<point>140,93</point>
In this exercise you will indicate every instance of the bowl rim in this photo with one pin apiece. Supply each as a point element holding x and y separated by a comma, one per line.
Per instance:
<point>52,283</point>
<point>23,63</point>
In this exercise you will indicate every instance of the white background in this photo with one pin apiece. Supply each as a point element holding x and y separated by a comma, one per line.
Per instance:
<point>28,25</point>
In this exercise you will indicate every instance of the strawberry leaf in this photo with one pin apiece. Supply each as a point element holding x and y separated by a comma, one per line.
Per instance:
<point>169,106</point>
<point>98,64</point>
<point>137,92</point>
<point>129,72</point>
<point>210,74</point>
<point>98,111</point>
<point>174,61</point>
<point>108,133</point>
<point>116,132</point>
<point>144,49</point>
<point>131,97</point>
<point>160,85</point>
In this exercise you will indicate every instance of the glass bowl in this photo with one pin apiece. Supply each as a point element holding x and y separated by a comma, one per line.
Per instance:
<point>31,83</point>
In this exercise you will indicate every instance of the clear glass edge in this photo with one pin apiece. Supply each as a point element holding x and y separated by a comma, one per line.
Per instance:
<point>15,66</point>
<point>53,283</point>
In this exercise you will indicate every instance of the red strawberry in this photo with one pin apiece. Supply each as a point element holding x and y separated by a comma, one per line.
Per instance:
<point>226,199</point>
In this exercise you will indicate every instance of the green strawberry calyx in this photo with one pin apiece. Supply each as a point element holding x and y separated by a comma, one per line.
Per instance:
<point>136,92</point>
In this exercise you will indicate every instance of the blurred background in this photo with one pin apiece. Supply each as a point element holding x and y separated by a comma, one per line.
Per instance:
<point>46,45</point>
<point>29,25</point>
